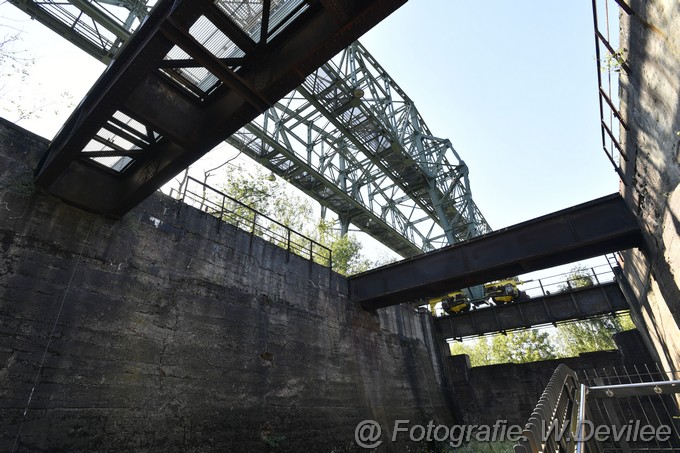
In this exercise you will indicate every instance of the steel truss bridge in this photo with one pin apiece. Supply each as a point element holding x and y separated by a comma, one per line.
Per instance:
<point>352,139</point>
<point>348,136</point>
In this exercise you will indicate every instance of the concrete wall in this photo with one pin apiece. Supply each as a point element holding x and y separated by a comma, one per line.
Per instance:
<point>168,330</point>
<point>650,104</point>
<point>511,391</point>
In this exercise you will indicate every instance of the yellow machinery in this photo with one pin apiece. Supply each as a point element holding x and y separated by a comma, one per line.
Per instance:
<point>455,302</point>
<point>500,292</point>
<point>503,291</point>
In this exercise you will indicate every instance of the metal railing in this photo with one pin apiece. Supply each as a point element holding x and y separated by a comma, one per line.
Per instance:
<point>556,411</point>
<point>612,61</point>
<point>630,399</point>
<point>216,203</point>
<point>619,409</point>
<point>572,280</point>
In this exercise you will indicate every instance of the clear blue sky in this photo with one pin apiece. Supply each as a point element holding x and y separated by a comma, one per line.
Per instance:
<point>512,84</point>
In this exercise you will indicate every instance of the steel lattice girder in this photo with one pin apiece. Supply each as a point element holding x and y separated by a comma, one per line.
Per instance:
<point>191,76</point>
<point>351,138</point>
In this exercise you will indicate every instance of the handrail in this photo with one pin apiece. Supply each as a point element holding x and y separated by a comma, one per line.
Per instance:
<point>571,280</point>
<point>588,277</point>
<point>216,203</point>
<point>556,410</point>
<point>570,413</point>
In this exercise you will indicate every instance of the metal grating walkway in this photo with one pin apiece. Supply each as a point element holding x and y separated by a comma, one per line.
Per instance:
<point>191,76</point>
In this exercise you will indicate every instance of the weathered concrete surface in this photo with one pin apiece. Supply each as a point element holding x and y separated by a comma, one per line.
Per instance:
<point>650,104</point>
<point>167,330</point>
<point>510,391</point>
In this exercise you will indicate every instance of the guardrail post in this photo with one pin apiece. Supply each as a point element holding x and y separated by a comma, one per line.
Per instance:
<point>597,280</point>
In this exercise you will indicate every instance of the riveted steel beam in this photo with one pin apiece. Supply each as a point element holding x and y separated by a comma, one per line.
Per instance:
<point>591,229</point>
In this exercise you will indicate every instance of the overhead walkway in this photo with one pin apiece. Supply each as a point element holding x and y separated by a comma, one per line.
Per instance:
<point>193,74</point>
<point>591,229</point>
<point>577,294</point>
<point>99,27</point>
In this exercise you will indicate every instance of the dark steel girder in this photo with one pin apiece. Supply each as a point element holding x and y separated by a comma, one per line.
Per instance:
<point>187,125</point>
<point>591,229</point>
<point>580,303</point>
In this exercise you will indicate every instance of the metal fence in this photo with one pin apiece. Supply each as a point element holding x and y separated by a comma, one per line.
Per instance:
<point>588,276</point>
<point>637,401</point>
<point>214,202</point>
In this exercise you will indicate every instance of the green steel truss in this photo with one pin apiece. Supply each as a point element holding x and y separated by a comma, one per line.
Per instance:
<point>351,138</point>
